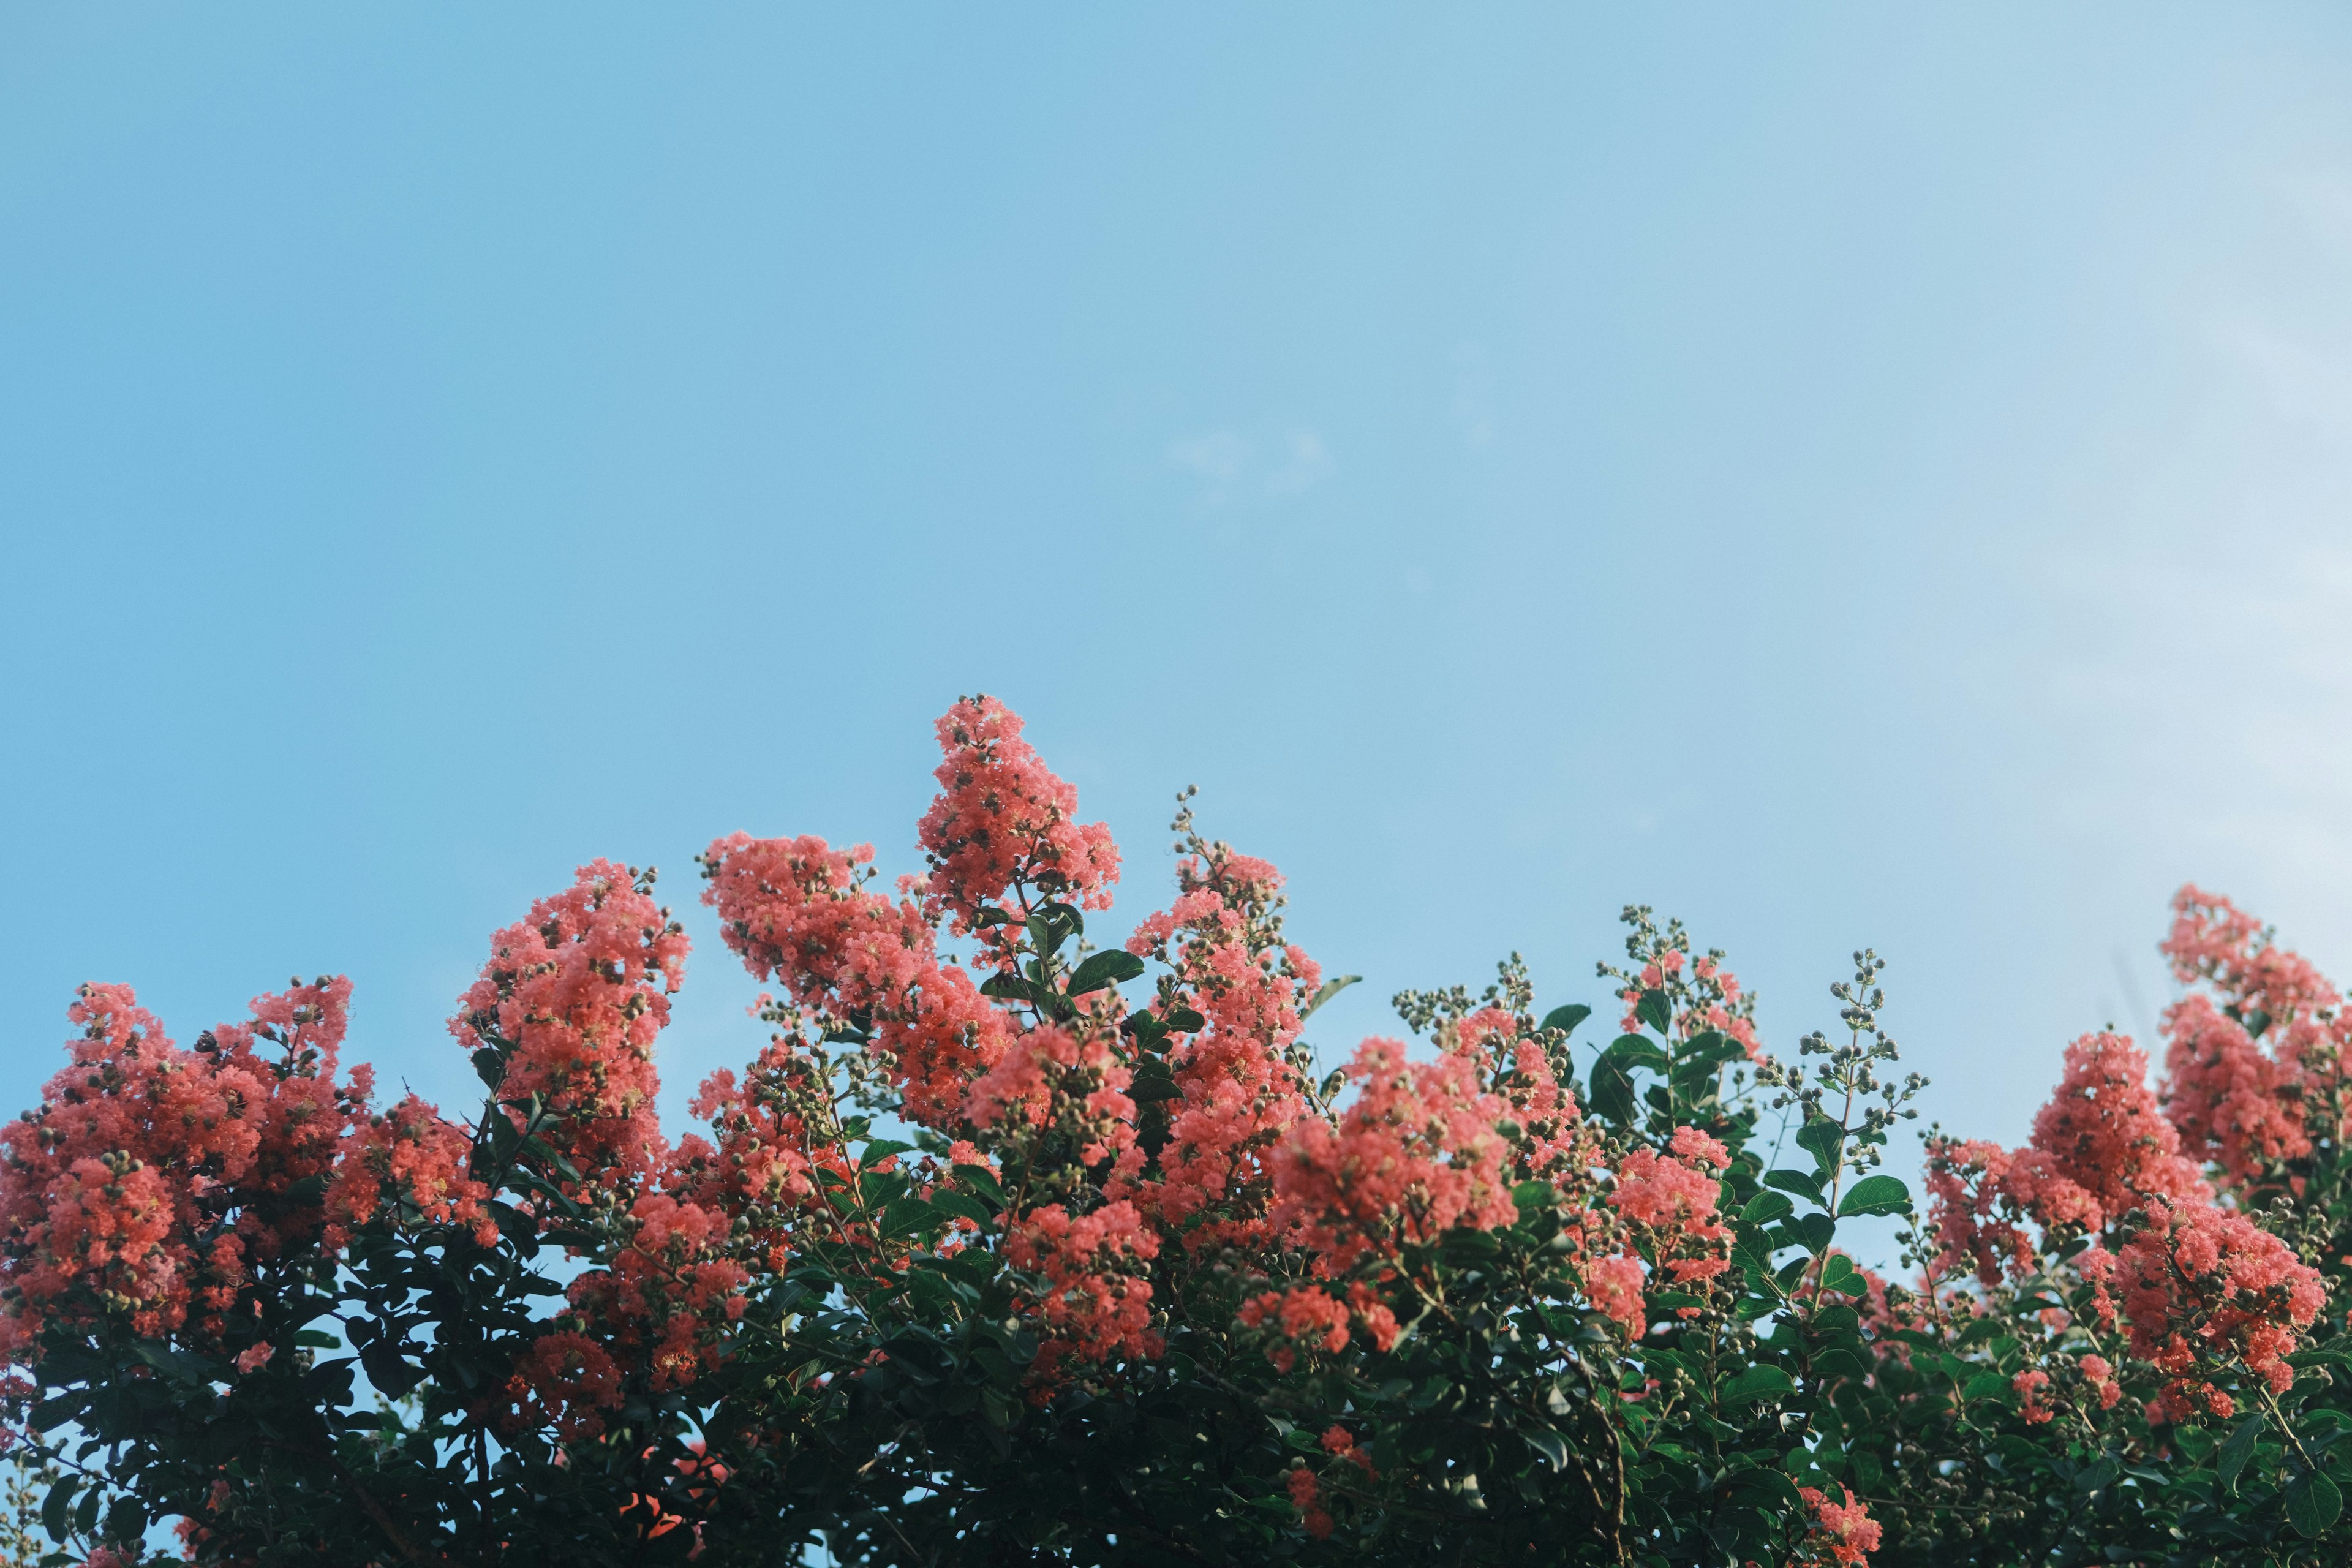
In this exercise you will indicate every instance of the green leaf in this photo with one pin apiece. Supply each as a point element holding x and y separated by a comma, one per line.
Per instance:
<point>1325,992</point>
<point>908,1217</point>
<point>1766,1208</point>
<point>981,1180</point>
<point>1153,1081</point>
<point>54,1506</point>
<point>1821,1138</point>
<point>2237,1450</point>
<point>962,1206</point>
<point>1984,1385</point>
<point>1185,1021</point>
<point>1837,1323</point>
<point>58,1410</point>
<point>1630,1051</point>
<point>1550,1444</point>
<point>2313,1504</point>
<point>1758,1383</point>
<point>1819,1230</point>
<point>1655,1010</point>
<point>1610,1094</point>
<point>1566,1019</point>
<point>192,1370</point>
<point>881,1149</point>
<point>1108,967</point>
<point>1796,1182</point>
<point>1839,1274</point>
<point>1876,1196</point>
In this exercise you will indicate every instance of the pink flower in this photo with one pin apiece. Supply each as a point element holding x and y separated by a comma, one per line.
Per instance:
<point>255,1357</point>
<point>1003,818</point>
<point>1844,1530</point>
<point>575,997</point>
<point>1095,1304</point>
<point>1414,1155</point>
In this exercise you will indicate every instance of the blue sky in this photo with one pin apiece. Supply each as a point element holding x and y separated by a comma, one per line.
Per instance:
<point>1838,476</point>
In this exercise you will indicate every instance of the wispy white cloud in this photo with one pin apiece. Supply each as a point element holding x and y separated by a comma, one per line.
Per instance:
<point>1234,469</point>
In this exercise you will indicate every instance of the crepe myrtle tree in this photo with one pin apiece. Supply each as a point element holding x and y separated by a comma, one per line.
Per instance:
<point>1012,1248</point>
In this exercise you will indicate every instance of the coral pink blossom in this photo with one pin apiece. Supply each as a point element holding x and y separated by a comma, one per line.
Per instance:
<point>1238,1092</point>
<point>1305,1494</point>
<point>413,1158</point>
<point>2232,1104</point>
<point>1002,817</point>
<point>2213,940</point>
<point>2031,1401</point>
<point>1615,1284</point>
<point>151,1179</point>
<point>1845,1531</point>
<point>572,999</point>
<point>1415,1154</point>
<point>567,1381</point>
<point>2202,1287</point>
<point>1095,1304</point>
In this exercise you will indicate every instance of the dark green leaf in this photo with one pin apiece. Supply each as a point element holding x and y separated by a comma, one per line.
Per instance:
<point>2237,1450</point>
<point>1548,1443</point>
<point>962,1205</point>
<point>981,1180</point>
<point>2313,1504</point>
<point>1108,967</point>
<point>192,1370</point>
<point>1566,1019</point>
<point>54,1506</point>
<point>1630,1051</point>
<point>1819,1230</point>
<point>490,1067</point>
<point>57,1411</point>
<point>1839,1274</point>
<point>1611,1093</point>
<point>881,1149</point>
<point>1796,1182</point>
<point>1766,1208</point>
<point>1185,1021</point>
<point>908,1217</point>
<point>1325,992</point>
<point>1758,1383</point>
<point>1655,1010</point>
<point>1153,1081</point>
<point>1821,1138</point>
<point>1876,1196</point>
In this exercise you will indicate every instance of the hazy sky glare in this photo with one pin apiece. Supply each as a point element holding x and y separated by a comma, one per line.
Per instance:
<point>1840,476</point>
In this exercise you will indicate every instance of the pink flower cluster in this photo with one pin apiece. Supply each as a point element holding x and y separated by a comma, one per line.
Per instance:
<point>802,913</point>
<point>149,1180</point>
<point>2202,1285</point>
<point>1095,1303</point>
<point>2232,1104</point>
<point>1238,1091</point>
<point>764,1168</point>
<point>2213,940</point>
<point>670,1293</point>
<point>573,998</point>
<point>409,1156</point>
<point>1672,1197</point>
<point>1072,1081</point>
<point>1003,818</point>
<point>2101,1147</point>
<point>1415,1154</point>
<point>1845,1532</point>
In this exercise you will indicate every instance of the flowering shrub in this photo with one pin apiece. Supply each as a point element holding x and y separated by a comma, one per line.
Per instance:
<point>1009,1246</point>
